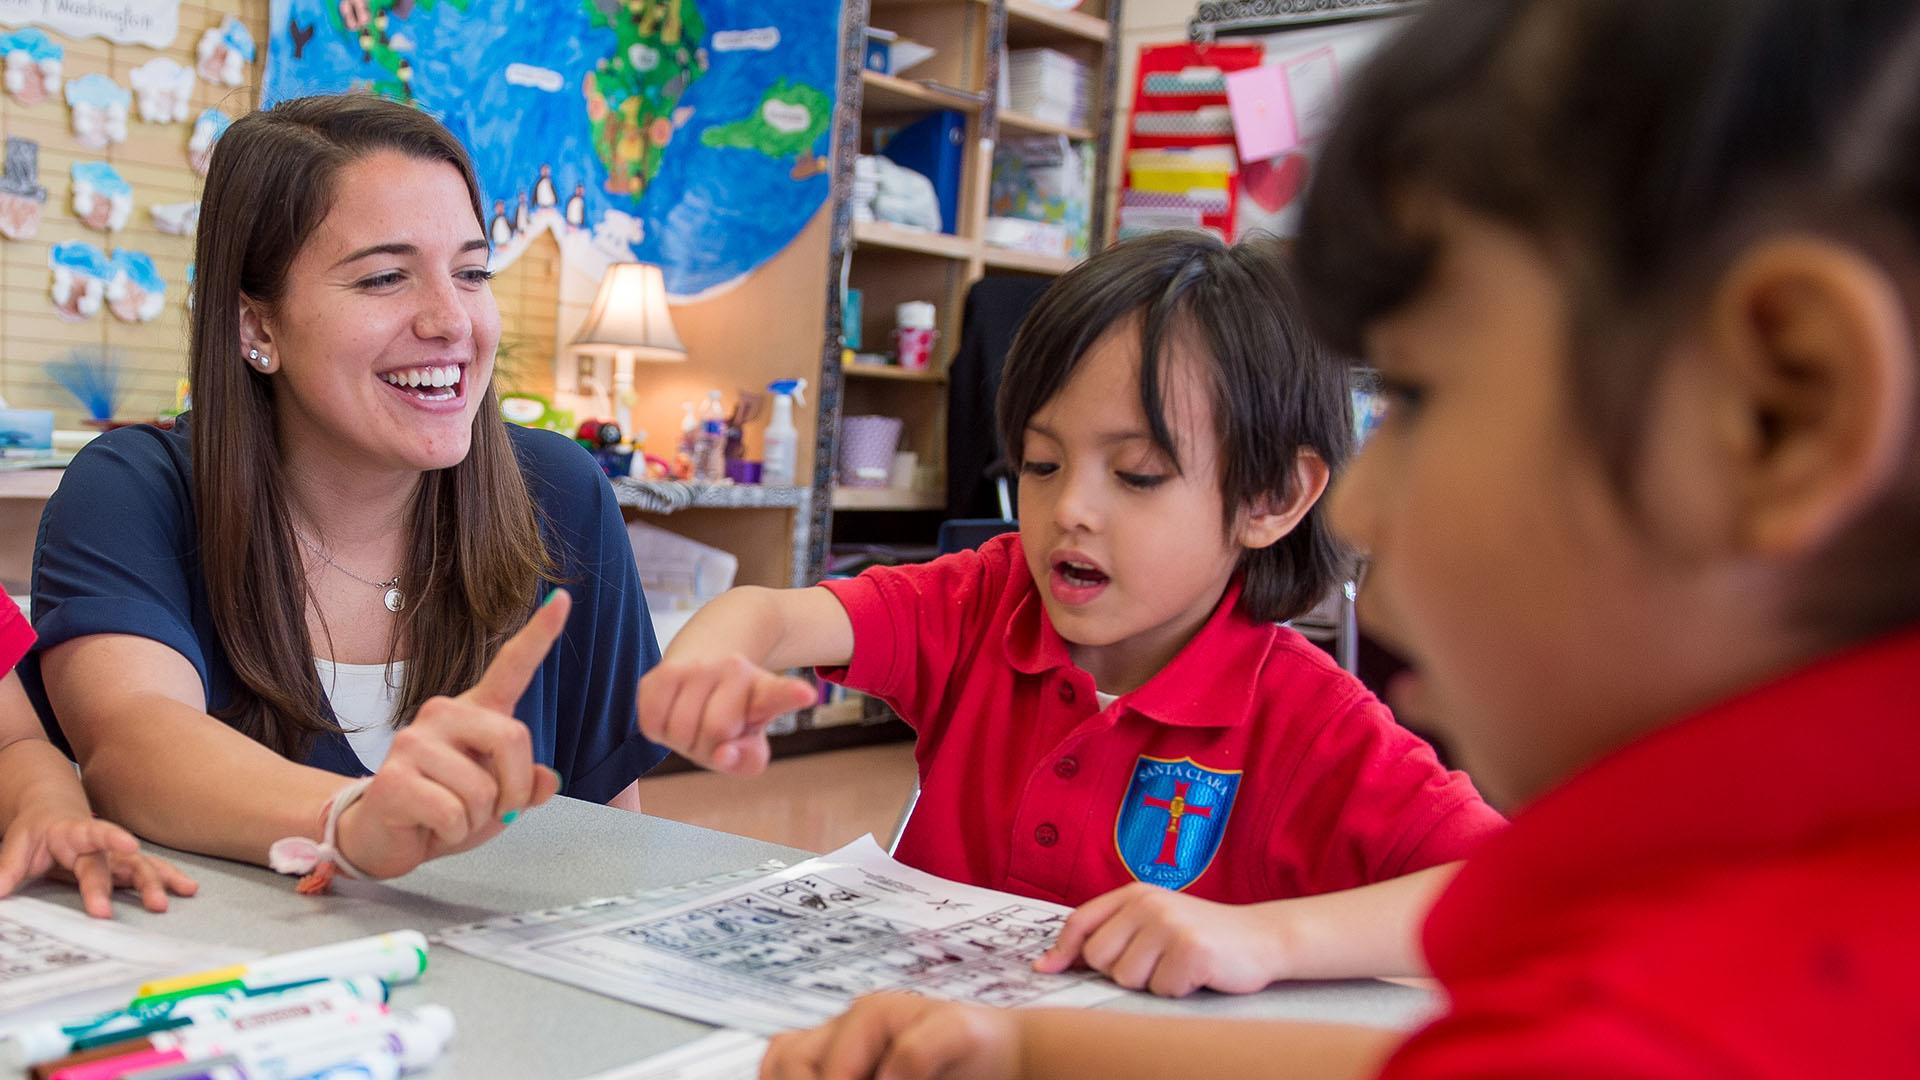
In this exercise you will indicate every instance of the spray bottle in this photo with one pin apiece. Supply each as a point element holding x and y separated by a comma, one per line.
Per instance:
<point>683,450</point>
<point>710,441</point>
<point>782,440</point>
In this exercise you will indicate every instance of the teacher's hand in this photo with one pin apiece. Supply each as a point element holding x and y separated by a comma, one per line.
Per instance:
<point>462,771</point>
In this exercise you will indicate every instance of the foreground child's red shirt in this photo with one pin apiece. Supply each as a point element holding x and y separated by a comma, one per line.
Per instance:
<point>16,635</point>
<point>1250,768</point>
<point>1734,896</point>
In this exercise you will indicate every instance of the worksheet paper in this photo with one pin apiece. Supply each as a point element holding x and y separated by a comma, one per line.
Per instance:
<point>54,961</point>
<point>792,948</point>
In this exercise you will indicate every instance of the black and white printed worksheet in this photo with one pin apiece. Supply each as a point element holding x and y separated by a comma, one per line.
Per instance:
<point>52,959</point>
<point>794,947</point>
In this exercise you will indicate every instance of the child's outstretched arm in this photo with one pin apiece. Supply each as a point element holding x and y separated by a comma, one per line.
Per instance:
<point>713,694</point>
<point>908,1037</point>
<point>46,822</point>
<point>1147,938</point>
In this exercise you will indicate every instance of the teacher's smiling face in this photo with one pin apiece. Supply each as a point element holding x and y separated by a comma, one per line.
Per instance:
<point>383,340</point>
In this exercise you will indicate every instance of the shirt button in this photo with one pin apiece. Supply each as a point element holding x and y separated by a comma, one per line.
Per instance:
<point>1046,835</point>
<point>1066,767</point>
<point>1066,692</point>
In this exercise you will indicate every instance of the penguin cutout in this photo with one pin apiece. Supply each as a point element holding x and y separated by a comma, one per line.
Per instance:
<point>501,231</point>
<point>577,206</point>
<point>543,194</point>
<point>520,215</point>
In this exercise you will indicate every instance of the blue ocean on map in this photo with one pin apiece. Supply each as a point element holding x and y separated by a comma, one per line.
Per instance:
<point>510,78</point>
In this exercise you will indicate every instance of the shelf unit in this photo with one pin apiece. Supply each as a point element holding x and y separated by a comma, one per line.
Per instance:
<point>1030,22</point>
<point>881,235</point>
<point>860,498</point>
<point>886,94</point>
<point>894,374</point>
<point>890,265</point>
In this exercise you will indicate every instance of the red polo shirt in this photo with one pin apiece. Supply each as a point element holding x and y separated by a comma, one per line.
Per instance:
<point>1737,895</point>
<point>1250,768</point>
<point>16,635</point>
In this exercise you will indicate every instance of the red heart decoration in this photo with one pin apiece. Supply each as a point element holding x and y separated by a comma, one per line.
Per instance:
<point>1273,185</point>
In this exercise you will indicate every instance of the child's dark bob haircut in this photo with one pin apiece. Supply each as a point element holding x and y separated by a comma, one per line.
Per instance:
<point>1274,390</point>
<point>1643,144</point>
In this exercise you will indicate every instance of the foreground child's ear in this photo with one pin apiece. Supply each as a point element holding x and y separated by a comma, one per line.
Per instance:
<point>1813,343</point>
<point>1269,518</point>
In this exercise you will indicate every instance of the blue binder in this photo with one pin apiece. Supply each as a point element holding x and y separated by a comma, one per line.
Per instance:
<point>933,147</point>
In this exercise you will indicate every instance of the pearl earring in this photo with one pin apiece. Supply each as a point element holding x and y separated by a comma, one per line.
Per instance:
<point>260,358</point>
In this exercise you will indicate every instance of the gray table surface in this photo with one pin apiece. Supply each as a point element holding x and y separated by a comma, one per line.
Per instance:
<point>514,1025</point>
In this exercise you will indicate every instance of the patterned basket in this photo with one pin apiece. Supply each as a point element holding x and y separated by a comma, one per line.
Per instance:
<point>867,444</point>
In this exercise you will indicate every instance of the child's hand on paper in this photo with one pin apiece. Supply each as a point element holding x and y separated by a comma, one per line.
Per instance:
<point>901,1037</point>
<point>462,770</point>
<point>1144,937</point>
<point>715,712</point>
<point>50,839</point>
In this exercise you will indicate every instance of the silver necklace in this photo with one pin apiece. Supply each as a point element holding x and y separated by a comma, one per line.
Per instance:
<point>394,598</point>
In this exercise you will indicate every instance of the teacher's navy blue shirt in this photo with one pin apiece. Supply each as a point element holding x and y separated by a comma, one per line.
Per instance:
<point>118,554</point>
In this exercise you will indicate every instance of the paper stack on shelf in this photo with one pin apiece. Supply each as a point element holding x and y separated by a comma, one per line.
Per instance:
<point>1049,86</point>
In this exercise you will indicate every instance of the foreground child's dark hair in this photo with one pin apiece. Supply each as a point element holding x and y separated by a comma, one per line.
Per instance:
<point>1643,144</point>
<point>1274,390</point>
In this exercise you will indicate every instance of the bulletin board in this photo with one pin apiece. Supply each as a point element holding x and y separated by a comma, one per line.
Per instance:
<point>1326,57</point>
<point>153,160</point>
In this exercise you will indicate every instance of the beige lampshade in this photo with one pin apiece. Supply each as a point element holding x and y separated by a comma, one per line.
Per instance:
<point>630,316</point>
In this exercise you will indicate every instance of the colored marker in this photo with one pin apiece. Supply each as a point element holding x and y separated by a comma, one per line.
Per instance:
<point>26,1046</point>
<point>399,957</point>
<point>295,1025</point>
<point>400,1042</point>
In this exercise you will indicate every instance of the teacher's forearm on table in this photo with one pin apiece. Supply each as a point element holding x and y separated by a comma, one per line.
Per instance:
<point>180,777</point>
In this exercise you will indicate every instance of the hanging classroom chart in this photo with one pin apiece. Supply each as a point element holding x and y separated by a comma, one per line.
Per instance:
<point>688,133</point>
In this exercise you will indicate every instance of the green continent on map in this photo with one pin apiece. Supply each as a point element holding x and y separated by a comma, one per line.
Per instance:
<point>633,95</point>
<point>787,122</point>
<point>372,22</point>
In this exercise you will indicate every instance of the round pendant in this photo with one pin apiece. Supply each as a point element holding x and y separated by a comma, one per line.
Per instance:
<point>395,598</point>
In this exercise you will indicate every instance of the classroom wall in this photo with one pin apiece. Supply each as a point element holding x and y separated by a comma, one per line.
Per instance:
<point>154,161</point>
<point>769,326</point>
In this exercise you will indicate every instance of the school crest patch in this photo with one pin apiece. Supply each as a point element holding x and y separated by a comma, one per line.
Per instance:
<point>1172,818</point>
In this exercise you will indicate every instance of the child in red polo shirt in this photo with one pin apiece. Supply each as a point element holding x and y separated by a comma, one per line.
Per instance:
<point>45,822</point>
<point>1643,282</point>
<point>1108,714</point>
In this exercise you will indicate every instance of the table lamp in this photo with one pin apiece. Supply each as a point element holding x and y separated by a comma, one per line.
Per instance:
<point>629,319</point>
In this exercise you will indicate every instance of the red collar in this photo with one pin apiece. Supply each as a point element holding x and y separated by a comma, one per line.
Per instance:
<point>1209,683</point>
<point>1826,748</point>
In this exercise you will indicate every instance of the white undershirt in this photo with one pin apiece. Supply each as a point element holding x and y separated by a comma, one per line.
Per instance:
<point>1104,699</point>
<point>364,700</point>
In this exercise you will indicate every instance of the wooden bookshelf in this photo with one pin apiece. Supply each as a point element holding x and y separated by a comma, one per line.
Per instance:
<point>1032,23</point>
<point>884,94</point>
<point>892,373</point>
<point>1025,262</point>
<point>942,245</point>
<point>856,498</point>
<point>1021,124</point>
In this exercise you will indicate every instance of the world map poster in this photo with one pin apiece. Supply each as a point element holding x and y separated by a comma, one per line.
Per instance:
<point>688,133</point>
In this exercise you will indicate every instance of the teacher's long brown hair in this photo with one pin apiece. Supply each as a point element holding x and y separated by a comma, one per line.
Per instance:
<point>472,530</point>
